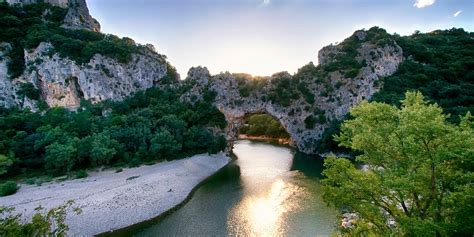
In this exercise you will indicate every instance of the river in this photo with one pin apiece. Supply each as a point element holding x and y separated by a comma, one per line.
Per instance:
<point>268,190</point>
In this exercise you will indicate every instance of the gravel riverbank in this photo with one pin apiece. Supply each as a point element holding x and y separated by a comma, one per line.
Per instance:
<point>111,201</point>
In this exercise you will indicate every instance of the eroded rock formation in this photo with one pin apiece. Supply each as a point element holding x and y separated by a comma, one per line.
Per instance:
<point>305,103</point>
<point>64,83</point>
<point>77,17</point>
<point>334,93</point>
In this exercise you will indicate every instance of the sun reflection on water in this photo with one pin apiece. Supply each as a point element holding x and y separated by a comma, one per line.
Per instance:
<point>263,215</point>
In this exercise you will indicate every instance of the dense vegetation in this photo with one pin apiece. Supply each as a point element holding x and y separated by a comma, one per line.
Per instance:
<point>418,176</point>
<point>264,125</point>
<point>27,26</point>
<point>440,64</point>
<point>51,223</point>
<point>150,126</point>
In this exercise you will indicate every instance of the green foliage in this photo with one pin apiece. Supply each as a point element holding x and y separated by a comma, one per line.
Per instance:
<point>149,126</point>
<point>442,69</point>
<point>310,122</point>
<point>264,125</point>
<point>29,90</point>
<point>419,170</point>
<point>171,75</point>
<point>81,174</point>
<point>439,65</point>
<point>284,89</point>
<point>351,73</point>
<point>346,58</point>
<point>26,27</point>
<point>5,163</point>
<point>51,223</point>
<point>60,156</point>
<point>248,85</point>
<point>8,188</point>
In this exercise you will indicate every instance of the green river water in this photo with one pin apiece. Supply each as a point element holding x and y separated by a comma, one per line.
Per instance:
<point>269,190</point>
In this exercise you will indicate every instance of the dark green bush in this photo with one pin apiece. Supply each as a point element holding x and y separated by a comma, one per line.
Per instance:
<point>81,174</point>
<point>8,188</point>
<point>310,122</point>
<point>284,90</point>
<point>29,90</point>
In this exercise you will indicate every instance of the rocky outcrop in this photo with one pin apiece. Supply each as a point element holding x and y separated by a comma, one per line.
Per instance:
<point>315,96</point>
<point>334,93</point>
<point>7,89</point>
<point>64,83</point>
<point>77,17</point>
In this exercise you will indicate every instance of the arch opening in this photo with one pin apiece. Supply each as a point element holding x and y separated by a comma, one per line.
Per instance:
<point>263,127</point>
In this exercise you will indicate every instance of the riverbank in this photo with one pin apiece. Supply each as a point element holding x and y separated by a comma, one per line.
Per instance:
<point>282,141</point>
<point>111,201</point>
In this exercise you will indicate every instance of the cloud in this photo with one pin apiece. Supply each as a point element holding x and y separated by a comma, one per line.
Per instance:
<point>266,2</point>
<point>424,3</point>
<point>457,13</point>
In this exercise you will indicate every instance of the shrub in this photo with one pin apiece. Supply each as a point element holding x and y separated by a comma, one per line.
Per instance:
<point>30,91</point>
<point>81,174</point>
<point>8,188</point>
<point>351,73</point>
<point>310,122</point>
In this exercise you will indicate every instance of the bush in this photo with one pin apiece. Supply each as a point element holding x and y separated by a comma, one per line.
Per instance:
<point>8,188</point>
<point>30,91</point>
<point>310,122</point>
<point>81,174</point>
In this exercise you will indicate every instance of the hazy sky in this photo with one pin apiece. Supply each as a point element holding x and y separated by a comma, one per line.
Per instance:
<point>262,37</point>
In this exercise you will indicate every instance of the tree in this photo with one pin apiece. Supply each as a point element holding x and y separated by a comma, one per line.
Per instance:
<point>51,223</point>
<point>5,163</point>
<point>30,91</point>
<point>61,157</point>
<point>164,145</point>
<point>418,171</point>
<point>103,149</point>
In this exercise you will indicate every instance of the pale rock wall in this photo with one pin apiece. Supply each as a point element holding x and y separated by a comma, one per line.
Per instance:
<point>64,83</point>
<point>381,62</point>
<point>7,89</point>
<point>77,17</point>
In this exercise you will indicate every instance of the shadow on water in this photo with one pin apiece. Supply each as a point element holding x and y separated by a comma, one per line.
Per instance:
<point>309,165</point>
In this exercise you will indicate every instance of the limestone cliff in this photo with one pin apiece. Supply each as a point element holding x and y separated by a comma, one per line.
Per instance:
<point>60,80</point>
<point>305,103</point>
<point>63,82</point>
<point>77,17</point>
<point>334,92</point>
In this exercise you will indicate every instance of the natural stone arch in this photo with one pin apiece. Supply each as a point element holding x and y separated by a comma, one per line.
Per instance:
<point>321,97</point>
<point>236,121</point>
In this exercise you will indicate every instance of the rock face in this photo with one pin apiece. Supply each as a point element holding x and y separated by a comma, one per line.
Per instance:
<point>64,83</point>
<point>7,90</point>
<point>77,17</point>
<point>322,95</point>
<point>334,104</point>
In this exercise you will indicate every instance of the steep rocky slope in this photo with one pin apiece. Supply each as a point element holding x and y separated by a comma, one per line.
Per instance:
<point>77,17</point>
<point>307,102</point>
<point>63,82</point>
<point>63,78</point>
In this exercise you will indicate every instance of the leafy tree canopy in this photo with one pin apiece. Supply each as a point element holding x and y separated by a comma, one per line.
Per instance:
<point>418,170</point>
